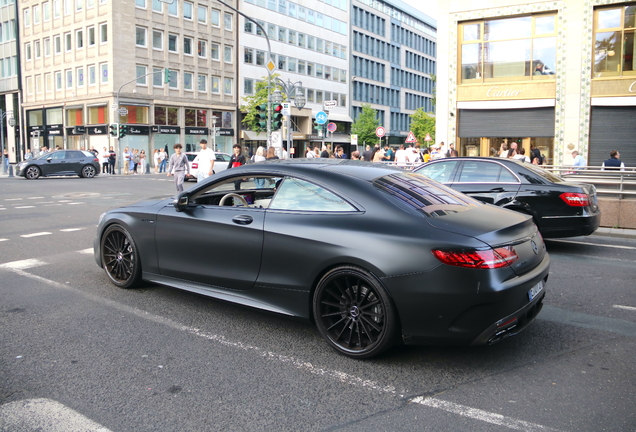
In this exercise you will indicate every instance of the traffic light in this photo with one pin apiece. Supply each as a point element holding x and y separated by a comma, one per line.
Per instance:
<point>277,116</point>
<point>123,131</point>
<point>166,75</point>
<point>113,130</point>
<point>261,116</point>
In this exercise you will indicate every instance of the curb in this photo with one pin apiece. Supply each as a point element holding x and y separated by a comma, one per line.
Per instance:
<point>615,232</point>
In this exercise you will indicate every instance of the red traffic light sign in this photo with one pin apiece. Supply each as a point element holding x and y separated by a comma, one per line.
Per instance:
<point>380,131</point>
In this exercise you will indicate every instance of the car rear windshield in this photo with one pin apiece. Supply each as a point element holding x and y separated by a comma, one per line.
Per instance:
<point>424,195</point>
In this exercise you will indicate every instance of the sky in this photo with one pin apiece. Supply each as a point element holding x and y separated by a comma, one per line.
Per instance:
<point>429,7</point>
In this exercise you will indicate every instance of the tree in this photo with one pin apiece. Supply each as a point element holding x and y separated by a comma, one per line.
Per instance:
<point>423,123</point>
<point>365,125</point>
<point>259,97</point>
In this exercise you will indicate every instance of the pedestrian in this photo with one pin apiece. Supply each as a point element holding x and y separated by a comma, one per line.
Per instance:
<point>309,153</point>
<point>103,158</point>
<point>178,163</point>
<point>521,155</point>
<point>28,155</point>
<point>134,161</point>
<point>163,159</point>
<point>6,161</point>
<point>578,160</point>
<point>205,160</point>
<point>535,155</point>
<point>271,154</point>
<point>127,160</point>
<point>389,154</point>
<point>156,159</point>
<point>339,153</point>
<point>259,156</point>
<point>142,161</point>
<point>401,156</point>
<point>367,155</point>
<point>614,162</point>
<point>503,150</point>
<point>236,160</point>
<point>112,158</point>
<point>377,154</point>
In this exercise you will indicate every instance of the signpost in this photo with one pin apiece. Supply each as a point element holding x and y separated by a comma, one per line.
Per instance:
<point>380,132</point>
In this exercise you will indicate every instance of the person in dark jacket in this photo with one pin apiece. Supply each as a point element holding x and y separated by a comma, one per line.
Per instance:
<point>236,160</point>
<point>614,162</point>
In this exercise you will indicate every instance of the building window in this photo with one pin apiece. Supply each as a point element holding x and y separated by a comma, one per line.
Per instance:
<point>215,17</point>
<point>140,37</point>
<point>227,86</point>
<point>91,36</point>
<point>27,51</point>
<point>227,54</point>
<point>140,4</point>
<point>188,81</point>
<point>157,77</point>
<point>215,85</point>
<point>260,58</point>
<point>57,44</point>
<point>187,10</point>
<point>103,33</point>
<point>157,40</point>
<point>168,116</point>
<point>27,17</point>
<point>79,5</point>
<point>508,49</point>
<point>47,47</point>
<point>92,78</point>
<point>187,45</point>
<point>56,9</point>
<point>48,83</point>
<point>248,56</point>
<point>69,79</point>
<point>173,83</point>
<point>46,10</point>
<point>36,48</point>
<point>38,84</point>
<point>227,21</point>
<point>615,51</point>
<point>67,7</point>
<point>248,86</point>
<point>80,77</point>
<point>58,80</point>
<point>202,14</point>
<point>202,48</point>
<point>172,43</point>
<point>157,6</point>
<point>173,8</point>
<point>214,51</point>
<point>202,81</point>
<point>103,73</point>
<point>36,14</point>
<point>79,39</point>
<point>142,79</point>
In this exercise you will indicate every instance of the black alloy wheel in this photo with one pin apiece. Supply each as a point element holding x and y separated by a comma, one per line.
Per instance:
<point>32,172</point>
<point>354,313</point>
<point>88,171</point>
<point>120,257</point>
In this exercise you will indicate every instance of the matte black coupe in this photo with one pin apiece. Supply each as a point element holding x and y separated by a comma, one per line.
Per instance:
<point>372,254</point>
<point>560,208</point>
<point>60,163</point>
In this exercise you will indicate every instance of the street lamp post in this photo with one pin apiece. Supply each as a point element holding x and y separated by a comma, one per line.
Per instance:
<point>3,115</point>
<point>214,119</point>
<point>290,89</point>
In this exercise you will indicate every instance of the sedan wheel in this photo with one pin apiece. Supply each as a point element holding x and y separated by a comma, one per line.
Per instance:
<point>32,172</point>
<point>354,313</point>
<point>88,171</point>
<point>120,257</point>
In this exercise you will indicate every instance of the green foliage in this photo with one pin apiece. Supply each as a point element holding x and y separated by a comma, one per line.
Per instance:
<point>423,123</point>
<point>252,118</point>
<point>365,125</point>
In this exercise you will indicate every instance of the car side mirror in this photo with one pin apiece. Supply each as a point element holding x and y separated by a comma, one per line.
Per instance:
<point>181,202</point>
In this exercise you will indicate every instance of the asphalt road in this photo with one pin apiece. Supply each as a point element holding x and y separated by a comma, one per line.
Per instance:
<point>77,353</point>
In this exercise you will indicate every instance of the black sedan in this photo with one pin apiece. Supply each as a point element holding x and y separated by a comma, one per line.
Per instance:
<point>559,208</point>
<point>60,163</point>
<point>368,252</point>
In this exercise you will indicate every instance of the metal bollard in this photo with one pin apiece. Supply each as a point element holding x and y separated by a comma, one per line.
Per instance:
<point>11,171</point>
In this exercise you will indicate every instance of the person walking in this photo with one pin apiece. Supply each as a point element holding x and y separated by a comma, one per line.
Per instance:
<point>205,159</point>
<point>178,163</point>
<point>156,159</point>
<point>579,161</point>
<point>236,160</point>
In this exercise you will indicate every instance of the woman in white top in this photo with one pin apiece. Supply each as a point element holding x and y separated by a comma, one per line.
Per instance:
<point>259,156</point>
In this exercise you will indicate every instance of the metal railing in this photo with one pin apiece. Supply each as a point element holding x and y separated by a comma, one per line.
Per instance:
<point>619,184</point>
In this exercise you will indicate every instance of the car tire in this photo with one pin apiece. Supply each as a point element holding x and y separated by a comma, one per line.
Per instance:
<point>120,257</point>
<point>88,171</point>
<point>354,313</point>
<point>32,172</point>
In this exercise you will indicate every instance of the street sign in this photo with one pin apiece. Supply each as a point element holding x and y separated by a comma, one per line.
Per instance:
<point>331,127</point>
<point>410,138</point>
<point>321,117</point>
<point>271,66</point>
<point>330,104</point>
<point>380,131</point>
<point>428,138</point>
<point>114,106</point>
<point>354,139</point>
<point>123,112</point>
<point>275,139</point>
<point>286,109</point>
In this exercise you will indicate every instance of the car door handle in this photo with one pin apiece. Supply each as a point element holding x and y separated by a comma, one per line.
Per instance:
<point>497,190</point>
<point>242,220</point>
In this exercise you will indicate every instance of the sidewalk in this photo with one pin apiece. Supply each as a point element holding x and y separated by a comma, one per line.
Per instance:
<point>615,232</point>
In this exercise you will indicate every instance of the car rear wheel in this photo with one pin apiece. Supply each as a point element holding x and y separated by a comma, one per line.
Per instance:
<point>88,171</point>
<point>32,172</point>
<point>354,313</point>
<point>120,257</point>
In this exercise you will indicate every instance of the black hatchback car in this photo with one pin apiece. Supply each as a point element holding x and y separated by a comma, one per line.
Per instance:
<point>60,163</point>
<point>559,208</point>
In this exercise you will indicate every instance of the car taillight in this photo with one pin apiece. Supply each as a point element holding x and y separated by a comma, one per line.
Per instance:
<point>195,165</point>
<point>575,199</point>
<point>479,259</point>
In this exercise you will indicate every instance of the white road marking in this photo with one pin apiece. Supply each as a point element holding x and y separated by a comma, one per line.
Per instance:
<point>45,415</point>
<point>71,229</point>
<point>13,199</point>
<point>22,264</point>
<point>51,205</point>
<point>629,308</point>
<point>481,415</point>
<point>35,197</point>
<point>3,239</point>
<point>23,207</point>
<point>592,244</point>
<point>65,201</point>
<point>306,366</point>
<point>88,251</point>
<point>35,234</point>
<point>75,203</point>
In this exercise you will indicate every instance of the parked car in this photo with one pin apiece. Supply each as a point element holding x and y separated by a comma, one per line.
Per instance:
<point>560,208</point>
<point>60,163</point>
<point>367,251</point>
<point>222,159</point>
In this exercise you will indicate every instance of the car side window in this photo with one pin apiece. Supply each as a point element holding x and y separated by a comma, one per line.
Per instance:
<point>75,155</point>
<point>485,172</point>
<point>440,171</point>
<point>58,155</point>
<point>297,194</point>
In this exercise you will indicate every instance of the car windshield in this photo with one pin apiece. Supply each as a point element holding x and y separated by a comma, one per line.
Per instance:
<point>427,197</point>
<point>544,173</point>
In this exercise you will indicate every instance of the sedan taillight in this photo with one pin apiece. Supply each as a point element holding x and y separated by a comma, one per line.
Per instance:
<point>478,259</point>
<point>195,165</point>
<point>575,199</point>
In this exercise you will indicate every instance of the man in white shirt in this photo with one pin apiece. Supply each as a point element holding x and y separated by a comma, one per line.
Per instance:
<point>401,156</point>
<point>205,159</point>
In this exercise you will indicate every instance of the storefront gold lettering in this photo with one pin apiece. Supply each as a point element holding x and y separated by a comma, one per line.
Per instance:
<point>632,88</point>
<point>493,92</point>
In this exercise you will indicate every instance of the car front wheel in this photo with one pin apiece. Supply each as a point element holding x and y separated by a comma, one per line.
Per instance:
<point>88,171</point>
<point>120,257</point>
<point>32,172</point>
<point>354,313</point>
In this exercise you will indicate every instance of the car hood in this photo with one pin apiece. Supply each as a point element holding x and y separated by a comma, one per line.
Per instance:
<point>151,202</point>
<point>498,227</point>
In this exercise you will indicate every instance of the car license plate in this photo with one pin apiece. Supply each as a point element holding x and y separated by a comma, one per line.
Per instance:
<point>535,290</point>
